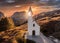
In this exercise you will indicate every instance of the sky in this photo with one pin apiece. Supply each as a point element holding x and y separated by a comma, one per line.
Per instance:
<point>8,7</point>
<point>15,2</point>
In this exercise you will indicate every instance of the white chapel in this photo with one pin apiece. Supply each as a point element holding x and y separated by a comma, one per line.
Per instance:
<point>33,27</point>
<point>34,30</point>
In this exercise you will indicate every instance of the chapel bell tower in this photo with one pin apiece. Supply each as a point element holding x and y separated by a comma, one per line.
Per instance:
<point>33,27</point>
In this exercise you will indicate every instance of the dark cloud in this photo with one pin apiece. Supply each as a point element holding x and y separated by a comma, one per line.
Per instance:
<point>14,2</point>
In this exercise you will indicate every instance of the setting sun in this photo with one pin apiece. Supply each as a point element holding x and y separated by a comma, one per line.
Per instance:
<point>29,13</point>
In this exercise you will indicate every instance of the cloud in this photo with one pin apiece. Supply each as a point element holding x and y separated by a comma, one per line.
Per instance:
<point>13,2</point>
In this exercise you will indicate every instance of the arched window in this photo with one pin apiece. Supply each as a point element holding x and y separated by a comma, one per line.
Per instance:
<point>33,25</point>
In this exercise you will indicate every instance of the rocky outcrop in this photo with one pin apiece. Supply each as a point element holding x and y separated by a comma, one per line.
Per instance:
<point>1,15</point>
<point>19,18</point>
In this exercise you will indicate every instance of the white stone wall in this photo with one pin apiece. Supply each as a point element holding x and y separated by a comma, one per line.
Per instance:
<point>31,27</point>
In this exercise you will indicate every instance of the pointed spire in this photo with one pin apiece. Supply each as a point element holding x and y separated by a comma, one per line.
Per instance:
<point>30,11</point>
<point>30,8</point>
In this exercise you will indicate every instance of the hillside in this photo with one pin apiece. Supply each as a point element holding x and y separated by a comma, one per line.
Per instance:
<point>49,23</point>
